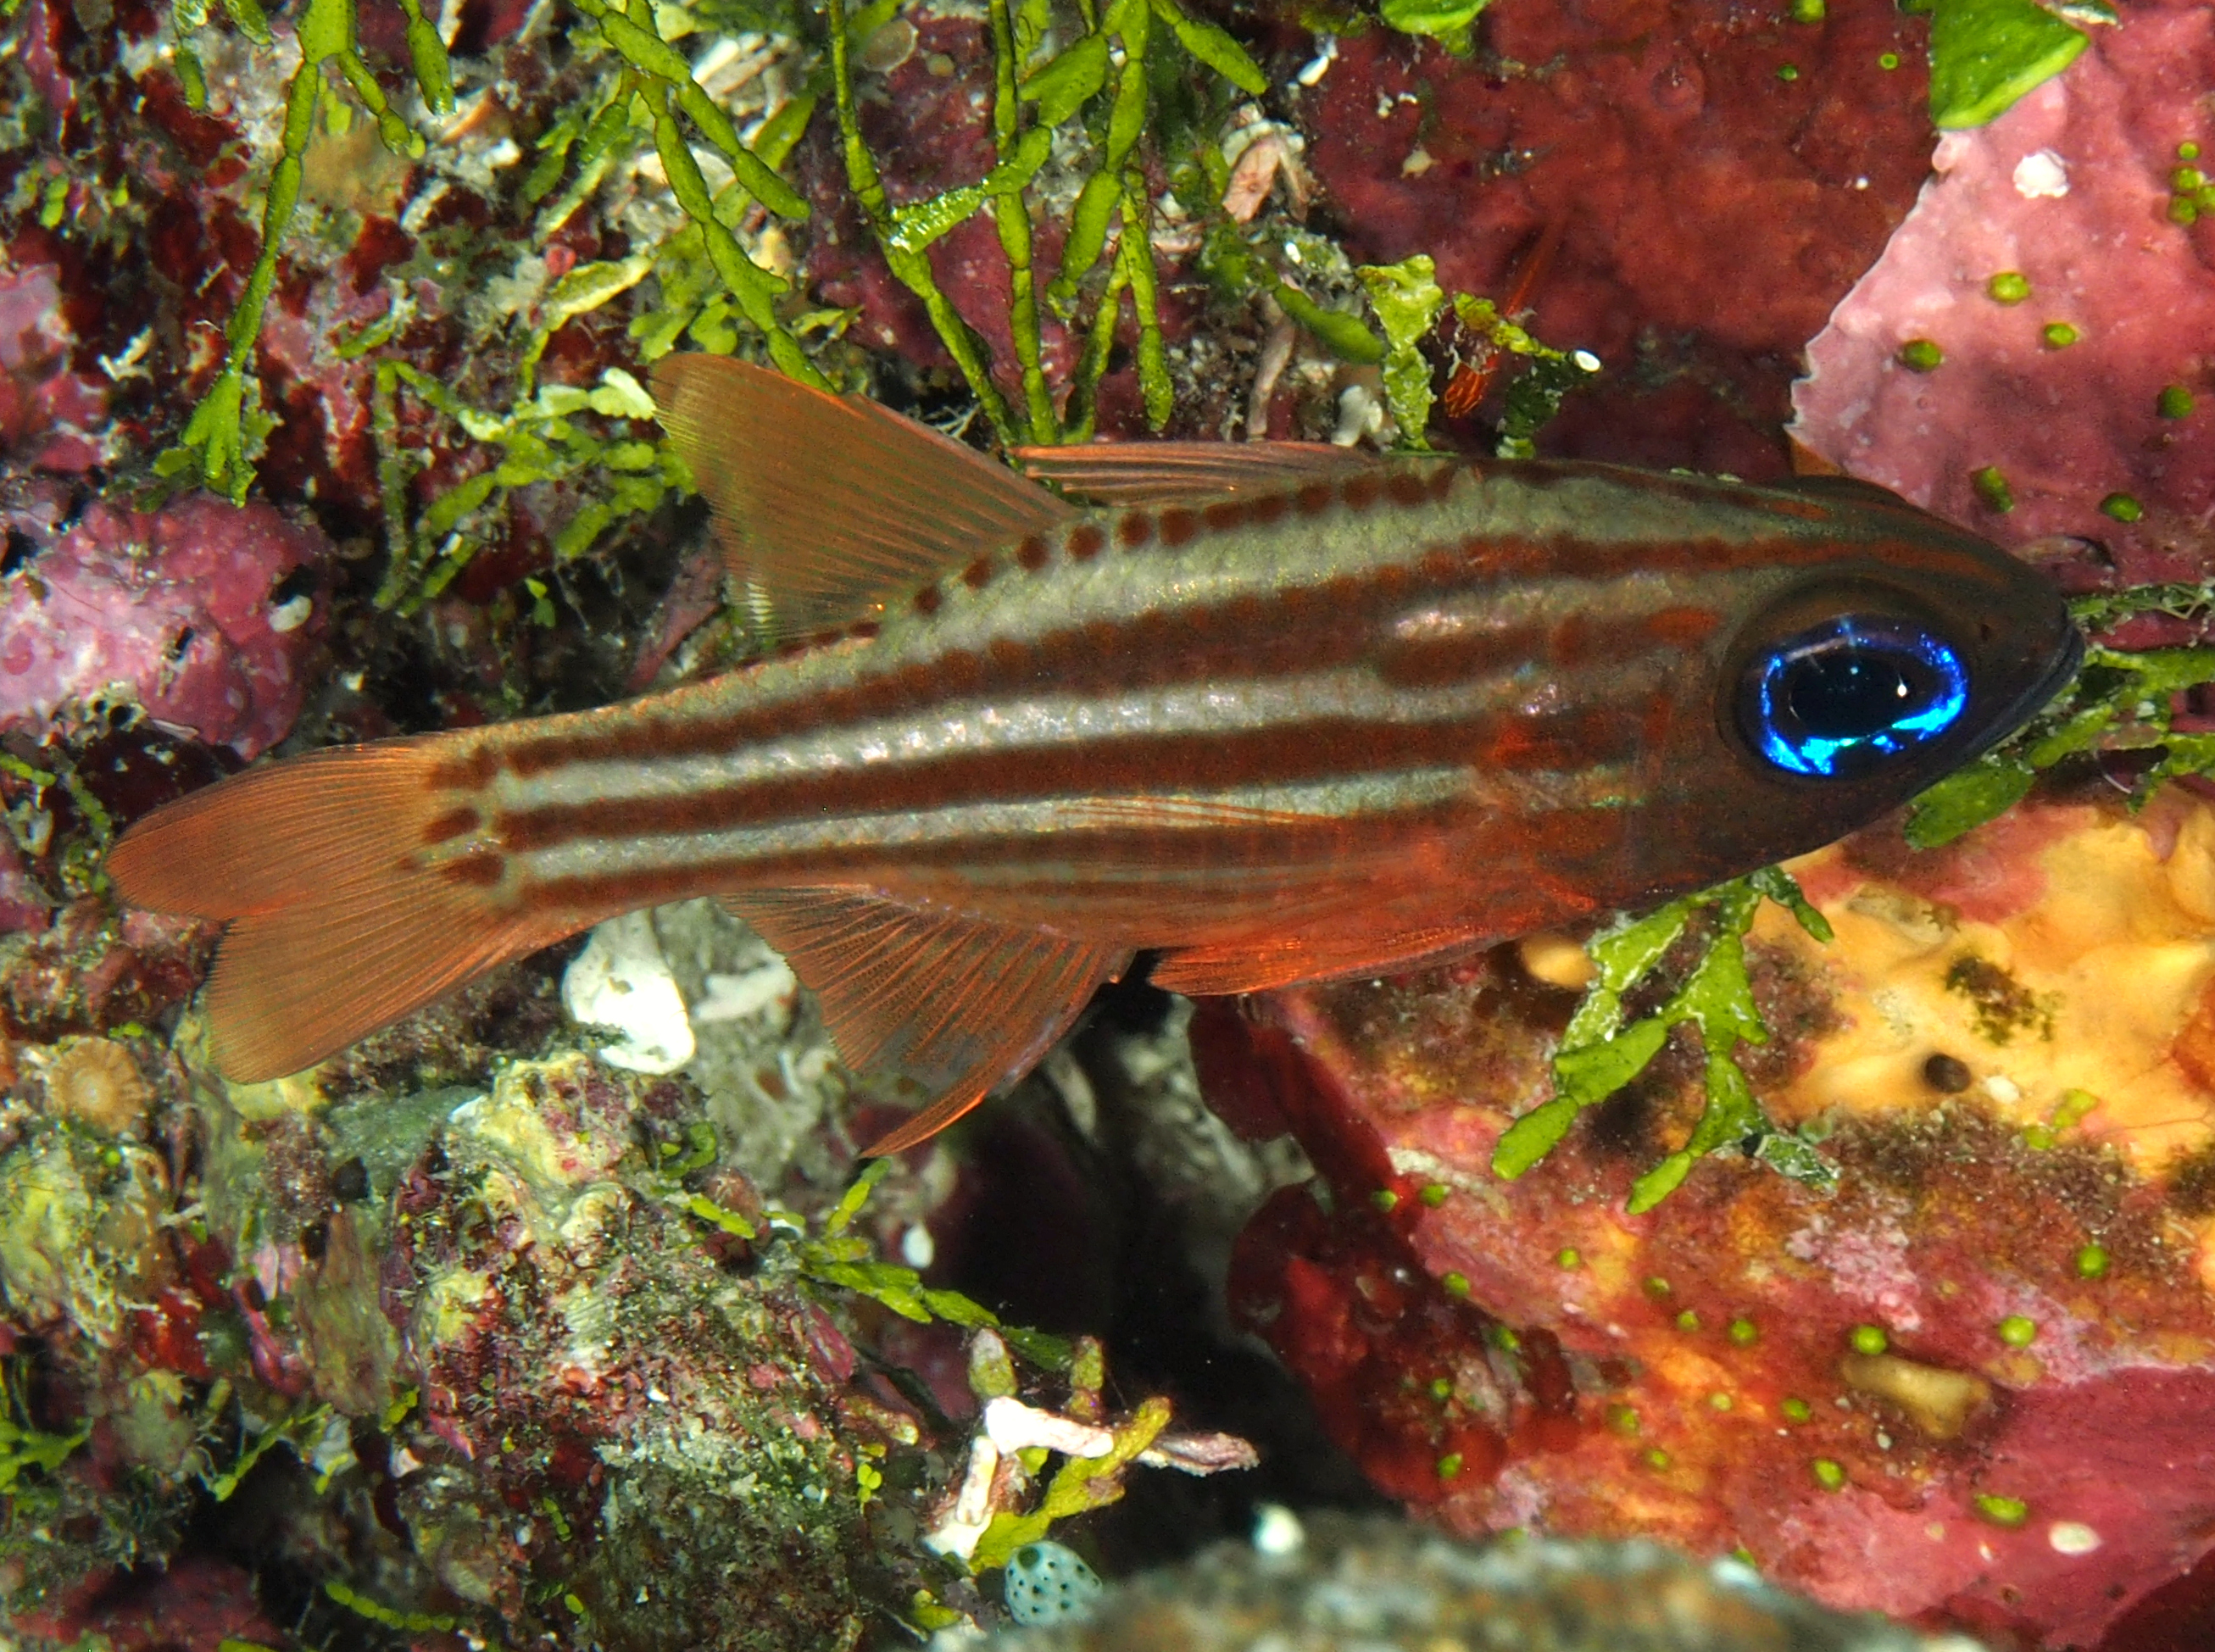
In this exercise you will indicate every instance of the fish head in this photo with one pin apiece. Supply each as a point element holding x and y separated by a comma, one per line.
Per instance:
<point>1888,649</point>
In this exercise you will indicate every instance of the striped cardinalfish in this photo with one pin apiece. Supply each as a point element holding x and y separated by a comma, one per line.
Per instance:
<point>1253,713</point>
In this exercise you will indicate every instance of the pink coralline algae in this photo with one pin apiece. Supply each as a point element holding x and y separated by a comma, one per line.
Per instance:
<point>182,613</point>
<point>2042,395</point>
<point>45,408</point>
<point>1722,175</point>
<point>1973,1386</point>
<point>21,905</point>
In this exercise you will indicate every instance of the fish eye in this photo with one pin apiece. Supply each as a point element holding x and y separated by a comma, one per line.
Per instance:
<point>1842,698</point>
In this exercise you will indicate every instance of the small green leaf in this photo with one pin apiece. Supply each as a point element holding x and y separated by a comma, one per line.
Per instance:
<point>412,1623</point>
<point>1986,54</point>
<point>956,1308</point>
<point>621,396</point>
<point>1718,998</point>
<point>1731,1114</point>
<point>1407,299</point>
<point>325,29</point>
<point>1343,334</point>
<point>251,19</point>
<point>1967,798</point>
<point>645,49</point>
<point>917,225</point>
<point>1597,1071</point>
<point>1775,883</point>
<point>1622,955</point>
<point>1533,1136</point>
<point>1448,21</point>
<point>1791,1157</point>
<point>851,1203</point>
<point>588,286</point>
<point>426,53</point>
<point>716,1216</point>
<point>1658,1183</point>
<point>1065,84</point>
<point>1217,49</point>
<point>195,77</point>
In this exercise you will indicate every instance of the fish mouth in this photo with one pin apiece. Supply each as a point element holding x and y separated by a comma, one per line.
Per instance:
<point>2059,671</point>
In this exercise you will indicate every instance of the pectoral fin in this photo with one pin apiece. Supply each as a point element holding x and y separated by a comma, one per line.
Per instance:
<point>956,1003</point>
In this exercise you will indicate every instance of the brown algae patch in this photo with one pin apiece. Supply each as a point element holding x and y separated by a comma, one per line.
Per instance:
<point>2002,1005</point>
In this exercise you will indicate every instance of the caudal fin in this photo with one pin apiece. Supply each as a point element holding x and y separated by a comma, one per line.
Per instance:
<point>354,889</point>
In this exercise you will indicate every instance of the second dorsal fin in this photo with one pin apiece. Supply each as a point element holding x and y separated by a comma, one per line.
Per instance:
<point>1156,473</point>
<point>832,505</point>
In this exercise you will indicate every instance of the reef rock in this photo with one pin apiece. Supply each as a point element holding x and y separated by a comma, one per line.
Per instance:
<point>1721,175</point>
<point>2050,387</point>
<point>1344,1585</point>
<point>184,612</point>
<point>1975,1385</point>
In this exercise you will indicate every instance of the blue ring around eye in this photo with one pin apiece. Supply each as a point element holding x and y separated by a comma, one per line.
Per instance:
<point>1838,699</point>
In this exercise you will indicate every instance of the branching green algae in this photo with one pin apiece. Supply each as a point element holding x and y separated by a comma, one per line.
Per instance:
<point>2121,705</point>
<point>1599,1053</point>
<point>1103,76</point>
<point>229,425</point>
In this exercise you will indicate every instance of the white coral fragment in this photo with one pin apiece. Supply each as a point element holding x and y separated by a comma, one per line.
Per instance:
<point>957,1534</point>
<point>621,981</point>
<point>1014,1426</point>
<point>2041,176</point>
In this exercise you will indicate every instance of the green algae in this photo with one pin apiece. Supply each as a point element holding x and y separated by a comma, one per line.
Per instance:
<point>1447,21</point>
<point>539,440</point>
<point>1599,1053</point>
<point>1103,78</point>
<point>227,428</point>
<point>1986,54</point>
<point>1081,1485</point>
<point>1407,299</point>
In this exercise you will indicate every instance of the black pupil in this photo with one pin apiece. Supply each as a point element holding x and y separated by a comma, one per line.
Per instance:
<point>1846,693</point>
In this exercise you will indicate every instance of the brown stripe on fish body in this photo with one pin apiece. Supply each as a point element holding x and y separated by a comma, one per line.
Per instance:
<point>1148,885</point>
<point>1057,847</point>
<point>834,774</point>
<point>1052,590</point>
<point>1299,670</point>
<point>1289,588</point>
<point>1136,618</point>
<point>1134,765</point>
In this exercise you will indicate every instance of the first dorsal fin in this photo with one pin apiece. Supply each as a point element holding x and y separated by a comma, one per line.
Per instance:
<point>1157,473</point>
<point>832,505</point>
<point>956,1003</point>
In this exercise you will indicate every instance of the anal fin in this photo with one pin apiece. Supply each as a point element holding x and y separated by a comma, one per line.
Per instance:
<point>956,1003</point>
<point>1261,963</point>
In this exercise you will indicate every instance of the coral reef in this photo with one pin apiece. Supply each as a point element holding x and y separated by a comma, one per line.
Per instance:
<point>536,1317</point>
<point>1981,1363</point>
<point>189,614</point>
<point>515,1343</point>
